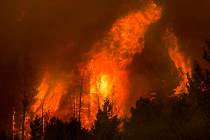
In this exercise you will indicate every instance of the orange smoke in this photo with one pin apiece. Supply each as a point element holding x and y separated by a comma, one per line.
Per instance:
<point>181,62</point>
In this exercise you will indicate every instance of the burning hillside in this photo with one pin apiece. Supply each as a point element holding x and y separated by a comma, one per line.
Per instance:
<point>104,69</point>
<point>105,72</point>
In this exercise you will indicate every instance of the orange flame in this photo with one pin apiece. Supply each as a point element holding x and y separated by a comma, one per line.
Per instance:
<point>180,61</point>
<point>107,67</point>
<point>49,95</point>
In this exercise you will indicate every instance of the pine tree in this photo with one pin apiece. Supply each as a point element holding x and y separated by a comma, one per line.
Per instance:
<point>107,124</point>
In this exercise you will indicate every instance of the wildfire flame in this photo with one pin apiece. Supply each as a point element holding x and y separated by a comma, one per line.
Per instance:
<point>105,71</point>
<point>107,68</point>
<point>180,61</point>
<point>49,95</point>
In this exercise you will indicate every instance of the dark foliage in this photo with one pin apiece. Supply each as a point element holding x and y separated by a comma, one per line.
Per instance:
<point>162,117</point>
<point>36,128</point>
<point>4,136</point>
<point>75,131</point>
<point>55,130</point>
<point>106,124</point>
<point>183,117</point>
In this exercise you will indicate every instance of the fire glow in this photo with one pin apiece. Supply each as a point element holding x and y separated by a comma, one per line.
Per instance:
<point>49,95</point>
<point>107,68</point>
<point>105,71</point>
<point>180,62</point>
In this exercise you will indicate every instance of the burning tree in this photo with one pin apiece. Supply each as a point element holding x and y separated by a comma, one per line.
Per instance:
<point>27,90</point>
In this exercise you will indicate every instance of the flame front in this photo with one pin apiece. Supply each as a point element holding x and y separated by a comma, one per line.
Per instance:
<point>49,95</point>
<point>107,68</point>
<point>105,71</point>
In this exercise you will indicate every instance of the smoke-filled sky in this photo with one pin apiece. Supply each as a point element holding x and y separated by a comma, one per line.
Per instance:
<point>57,34</point>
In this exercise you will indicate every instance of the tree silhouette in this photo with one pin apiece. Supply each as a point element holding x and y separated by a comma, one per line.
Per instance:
<point>55,130</point>
<point>106,124</point>
<point>27,88</point>
<point>36,128</point>
<point>146,120</point>
<point>206,51</point>
<point>182,117</point>
<point>74,129</point>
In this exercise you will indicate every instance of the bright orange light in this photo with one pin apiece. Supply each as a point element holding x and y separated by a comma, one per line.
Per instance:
<point>179,59</point>
<point>107,66</point>
<point>49,95</point>
<point>105,69</point>
<point>103,86</point>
